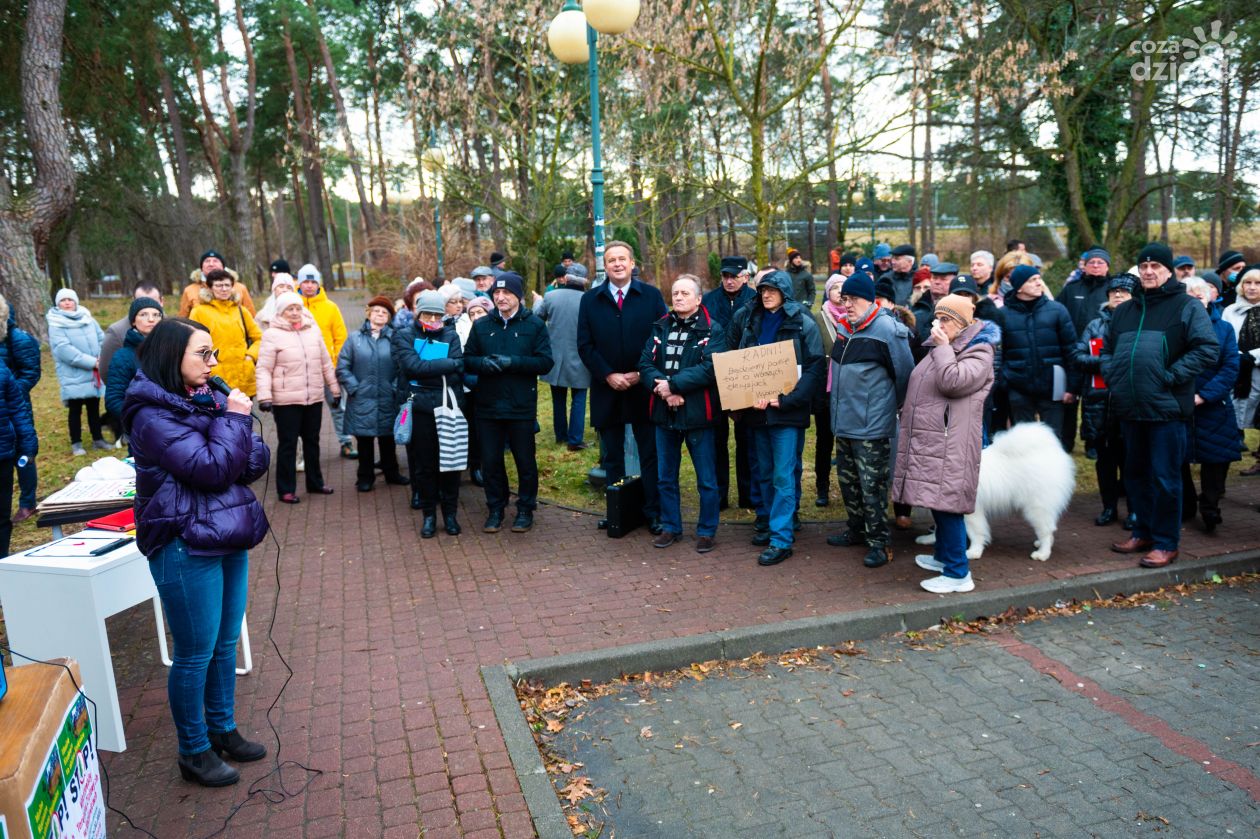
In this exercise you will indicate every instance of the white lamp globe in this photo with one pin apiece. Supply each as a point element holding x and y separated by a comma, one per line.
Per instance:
<point>567,37</point>
<point>611,17</point>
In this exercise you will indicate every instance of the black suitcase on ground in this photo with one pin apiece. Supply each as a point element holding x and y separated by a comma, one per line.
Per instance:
<point>625,506</point>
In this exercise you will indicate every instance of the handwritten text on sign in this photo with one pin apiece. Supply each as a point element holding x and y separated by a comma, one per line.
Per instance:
<point>765,372</point>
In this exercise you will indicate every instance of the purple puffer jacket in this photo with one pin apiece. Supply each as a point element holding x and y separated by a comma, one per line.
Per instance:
<point>194,463</point>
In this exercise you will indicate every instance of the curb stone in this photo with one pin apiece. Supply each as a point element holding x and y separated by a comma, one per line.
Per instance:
<point>669,654</point>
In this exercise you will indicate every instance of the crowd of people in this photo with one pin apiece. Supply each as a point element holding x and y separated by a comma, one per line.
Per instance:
<point>905,370</point>
<point>898,361</point>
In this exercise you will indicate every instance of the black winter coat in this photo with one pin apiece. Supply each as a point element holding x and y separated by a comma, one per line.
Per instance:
<point>722,307</point>
<point>425,379</point>
<point>1095,421</point>
<point>610,340</point>
<point>1158,343</point>
<point>1039,334</point>
<point>1216,438</point>
<point>511,394</point>
<point>1082,298</point>
<point>694,380</point>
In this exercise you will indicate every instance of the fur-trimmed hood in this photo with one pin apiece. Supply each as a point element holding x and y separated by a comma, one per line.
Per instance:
<point>197,277</point>
<point>207,296</point>
<point>6,315</point>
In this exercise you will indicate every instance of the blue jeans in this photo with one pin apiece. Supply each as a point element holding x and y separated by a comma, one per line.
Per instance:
<point>1154,452</point>
<point>951,544</point>
<point>778,458</point>
<point>668,459</point>
<point>204,601</point>
<point>568,425</point>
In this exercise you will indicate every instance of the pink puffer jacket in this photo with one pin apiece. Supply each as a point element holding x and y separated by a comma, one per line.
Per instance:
<point>293,364</point>
<point>938,449</point>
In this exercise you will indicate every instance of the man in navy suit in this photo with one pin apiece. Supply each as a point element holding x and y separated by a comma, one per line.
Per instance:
<point>614,322</point>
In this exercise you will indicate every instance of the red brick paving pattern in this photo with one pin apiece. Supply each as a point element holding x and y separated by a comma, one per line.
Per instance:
<point>386,632</point>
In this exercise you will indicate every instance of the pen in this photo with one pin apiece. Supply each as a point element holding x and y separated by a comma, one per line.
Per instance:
<point>112,546</point>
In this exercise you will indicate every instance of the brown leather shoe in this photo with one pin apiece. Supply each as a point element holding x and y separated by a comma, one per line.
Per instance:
<point>1133,545</point>
<point>704,544</point>
<point>22,514</point>
<point>1158,559</point>
<point>903,523</point>
<point>1254,469</point>
<point>665,539</point>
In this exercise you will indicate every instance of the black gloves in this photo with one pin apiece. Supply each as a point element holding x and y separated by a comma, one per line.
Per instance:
<point>265,407</point>
<point>496,363</point>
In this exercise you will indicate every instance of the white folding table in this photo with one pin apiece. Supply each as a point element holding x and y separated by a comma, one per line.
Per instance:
<point>56,606</point>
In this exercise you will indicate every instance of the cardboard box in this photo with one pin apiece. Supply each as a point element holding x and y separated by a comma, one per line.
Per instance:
<point>50,780</point>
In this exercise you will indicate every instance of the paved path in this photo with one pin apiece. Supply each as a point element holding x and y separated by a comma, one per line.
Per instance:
<point>386,632</point>
<point>1111,722</point>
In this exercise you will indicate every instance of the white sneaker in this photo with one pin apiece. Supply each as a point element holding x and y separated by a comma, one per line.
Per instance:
<point>929,563</point>
<point>948,585</point>
<point>301,463</point>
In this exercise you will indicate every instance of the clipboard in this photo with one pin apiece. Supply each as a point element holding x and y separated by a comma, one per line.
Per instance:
<point>71,547</point>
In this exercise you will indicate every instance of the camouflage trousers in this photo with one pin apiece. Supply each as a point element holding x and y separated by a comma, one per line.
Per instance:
<point>863,467</point>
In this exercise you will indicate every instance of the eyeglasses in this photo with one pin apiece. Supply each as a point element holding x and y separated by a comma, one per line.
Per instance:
<point>206,355</point>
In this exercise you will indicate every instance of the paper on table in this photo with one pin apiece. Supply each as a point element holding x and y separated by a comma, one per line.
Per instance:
<point>88,493</point>
<point>72,547</point>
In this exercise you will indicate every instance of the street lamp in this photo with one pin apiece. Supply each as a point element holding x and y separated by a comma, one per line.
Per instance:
<point>433,160</point>
<point>573,39</point>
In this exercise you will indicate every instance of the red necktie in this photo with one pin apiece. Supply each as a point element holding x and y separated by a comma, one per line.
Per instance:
<point>619,299</point>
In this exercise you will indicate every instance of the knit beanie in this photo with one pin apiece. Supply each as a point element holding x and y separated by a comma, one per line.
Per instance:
<point>311,273</point>
<point>1022,274</point>
<point>1097,252</point>
<point>207,255</point>
<point>1156,252</point>
<point>511,282</point>
<point>282,279</point>
<point>382,301</point>
<point>832,281</point>
<point>139,305</point>
<point>860,285</point>
<point>431,301</point>
<point>957,306</point>
<point>481,302</point>
<point>1227,259</point>
<point>286,300</point>
<point>884,288</point>
<point>280,266</point>
<point>63,293</point>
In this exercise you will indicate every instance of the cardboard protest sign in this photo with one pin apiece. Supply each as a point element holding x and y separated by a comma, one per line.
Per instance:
<point>765,372</point>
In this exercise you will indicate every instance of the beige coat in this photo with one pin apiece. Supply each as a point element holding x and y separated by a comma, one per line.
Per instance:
<point>293,364</point>
<point>938,450</point>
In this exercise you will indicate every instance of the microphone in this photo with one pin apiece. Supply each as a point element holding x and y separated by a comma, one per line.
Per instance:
<point>218,384</point>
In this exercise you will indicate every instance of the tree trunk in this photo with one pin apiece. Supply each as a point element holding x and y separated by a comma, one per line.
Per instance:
<point>182,164</point>
<point>833,198</point>
<point>262,215</point>
<point>311,168</point>
<point>912,187</point>
<point>369,211</point>
<point>26,225</point>
<point>1231,166</point>
<point>340,274</point>
<point>304,238</point>
<point>374,76</point>
<point>927,241</point>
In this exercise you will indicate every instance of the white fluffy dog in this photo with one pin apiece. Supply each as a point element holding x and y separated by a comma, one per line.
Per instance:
<point>1025,470</point>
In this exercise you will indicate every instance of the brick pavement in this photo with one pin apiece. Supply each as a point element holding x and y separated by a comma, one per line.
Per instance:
<point>386,632</point>
<point>1103,723</point>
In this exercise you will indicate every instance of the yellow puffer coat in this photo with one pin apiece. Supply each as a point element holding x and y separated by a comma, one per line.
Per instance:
<point>192,293</point>
<point>329,320</point>
<point>231,328</point>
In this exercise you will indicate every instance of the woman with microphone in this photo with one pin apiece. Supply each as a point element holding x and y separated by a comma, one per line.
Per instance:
<point>196,519</point>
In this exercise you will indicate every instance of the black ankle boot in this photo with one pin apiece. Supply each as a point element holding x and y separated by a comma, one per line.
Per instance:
<point>208,769</point>
<point>232,744</point>
<point>429,529</point>
<point>415,500</point>
<point>451,524</point>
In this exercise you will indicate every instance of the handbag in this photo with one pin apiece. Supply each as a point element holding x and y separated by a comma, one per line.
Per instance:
<point>403,423</point>
<point>452,434</point>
